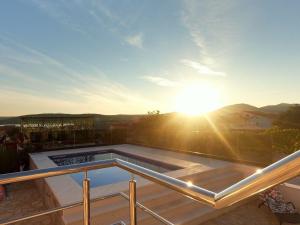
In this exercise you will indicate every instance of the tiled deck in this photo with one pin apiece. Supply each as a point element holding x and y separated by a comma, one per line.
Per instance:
<point>247,214</point>
<point>66,191</point>
<point>24,199</point>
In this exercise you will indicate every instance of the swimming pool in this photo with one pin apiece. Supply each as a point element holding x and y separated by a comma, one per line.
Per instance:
<point>111,175</point>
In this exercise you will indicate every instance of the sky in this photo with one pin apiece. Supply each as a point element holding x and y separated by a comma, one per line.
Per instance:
<point>128,57</point>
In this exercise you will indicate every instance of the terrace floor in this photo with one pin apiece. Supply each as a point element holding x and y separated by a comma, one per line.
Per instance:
<point>24,199</point>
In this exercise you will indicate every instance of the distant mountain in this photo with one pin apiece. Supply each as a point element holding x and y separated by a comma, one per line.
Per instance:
<point>9,120</point>
<point>101,121</point>
<point>246,117</point>
<point>280,108</point>
<point>270,109</point>
<point>232,113</point>
<point>236,108</point>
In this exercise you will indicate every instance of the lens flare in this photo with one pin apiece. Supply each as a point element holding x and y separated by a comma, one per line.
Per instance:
<point>197,99</point>
<point>189,183</point>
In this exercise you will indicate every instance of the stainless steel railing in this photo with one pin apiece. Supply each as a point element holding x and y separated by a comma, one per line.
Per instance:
<point>263,179</point>
<point>73,205</point>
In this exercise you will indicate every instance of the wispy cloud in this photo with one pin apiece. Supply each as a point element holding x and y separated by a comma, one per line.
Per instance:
<point>103,13</point>
<point>18,75</point>
<point>195,30</point>
<point>23,54</point>
<point>18,102</point>
<point>9,54</point>
<point>99,8</point>
<point>53,83</point>
<point>135,40</point>
<point>212,28</point>
<point>59,10</point>
<point>202,69</point>
<point>161,81</point>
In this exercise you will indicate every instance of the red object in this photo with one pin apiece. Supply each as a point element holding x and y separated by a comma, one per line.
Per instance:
<point>2,193</point>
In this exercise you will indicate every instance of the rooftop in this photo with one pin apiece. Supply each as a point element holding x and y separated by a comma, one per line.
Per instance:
<point>210,174</point>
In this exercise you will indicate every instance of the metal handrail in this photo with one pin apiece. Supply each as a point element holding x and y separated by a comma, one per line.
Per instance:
<point>278,172</point>
<point>80,203</point>
<point>147,210</point>
<point>54,210</point>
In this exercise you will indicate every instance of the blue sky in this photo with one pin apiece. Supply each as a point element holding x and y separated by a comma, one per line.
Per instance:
<point>124,56</point>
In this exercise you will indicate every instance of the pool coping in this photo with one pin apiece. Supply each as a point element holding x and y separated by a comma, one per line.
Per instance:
<point>165,165</point>
<point>67,191</point>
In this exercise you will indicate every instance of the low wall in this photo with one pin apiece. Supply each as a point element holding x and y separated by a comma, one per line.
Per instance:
<point>48,198</point>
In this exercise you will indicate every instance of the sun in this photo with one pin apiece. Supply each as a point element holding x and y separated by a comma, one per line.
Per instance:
<point>197,99</point>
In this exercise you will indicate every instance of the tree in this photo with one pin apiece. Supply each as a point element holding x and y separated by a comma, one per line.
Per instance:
<point>284,140</point>
<point>154,112</point>
<point>289,119</point>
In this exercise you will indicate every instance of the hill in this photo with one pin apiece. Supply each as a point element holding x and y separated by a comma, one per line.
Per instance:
<point>276,109</point>
<point>9,120</point>
<point>280,108</point>
<point>237,116</point>
<point>248,117</point>
<point>101,121</point>
<point>236,108</point>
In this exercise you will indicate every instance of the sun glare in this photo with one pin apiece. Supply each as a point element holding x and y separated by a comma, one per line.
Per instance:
<point>197,99</point>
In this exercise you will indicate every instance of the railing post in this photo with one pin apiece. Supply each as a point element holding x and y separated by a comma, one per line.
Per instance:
<point>132,201</point>
<point>86,200</point>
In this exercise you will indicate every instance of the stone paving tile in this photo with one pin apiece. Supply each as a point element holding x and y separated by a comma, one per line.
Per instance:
<point>23,199</point>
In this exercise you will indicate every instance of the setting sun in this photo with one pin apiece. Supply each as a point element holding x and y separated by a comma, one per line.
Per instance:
<point>197,99</point>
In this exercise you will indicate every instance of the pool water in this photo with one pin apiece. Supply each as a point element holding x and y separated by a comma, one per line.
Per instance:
<point>103,176</point>
<point>110,175</point>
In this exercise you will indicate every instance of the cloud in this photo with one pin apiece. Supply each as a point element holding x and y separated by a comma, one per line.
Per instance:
<point>19,75</point>
<point>213,27</point>
<point>103,13</point>
<point>94,96</point>
<point>135,40</point>
<point>161,81</point>
<point>66,13</point>
<point>22,54</point>
<point>195,29</point>
<point>19,102</point>
<point>53,86</point>
<point>60,11</point>
<point>202,69</point>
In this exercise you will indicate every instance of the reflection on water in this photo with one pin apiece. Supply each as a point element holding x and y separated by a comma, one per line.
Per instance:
<point>107,175</point>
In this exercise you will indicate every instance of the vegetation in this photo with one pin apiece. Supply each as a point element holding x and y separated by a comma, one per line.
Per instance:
<point>208,135</point>
<point>176,132</point>
<point>284,140</point>
<point>154,112</point>
<point>289,119</point>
